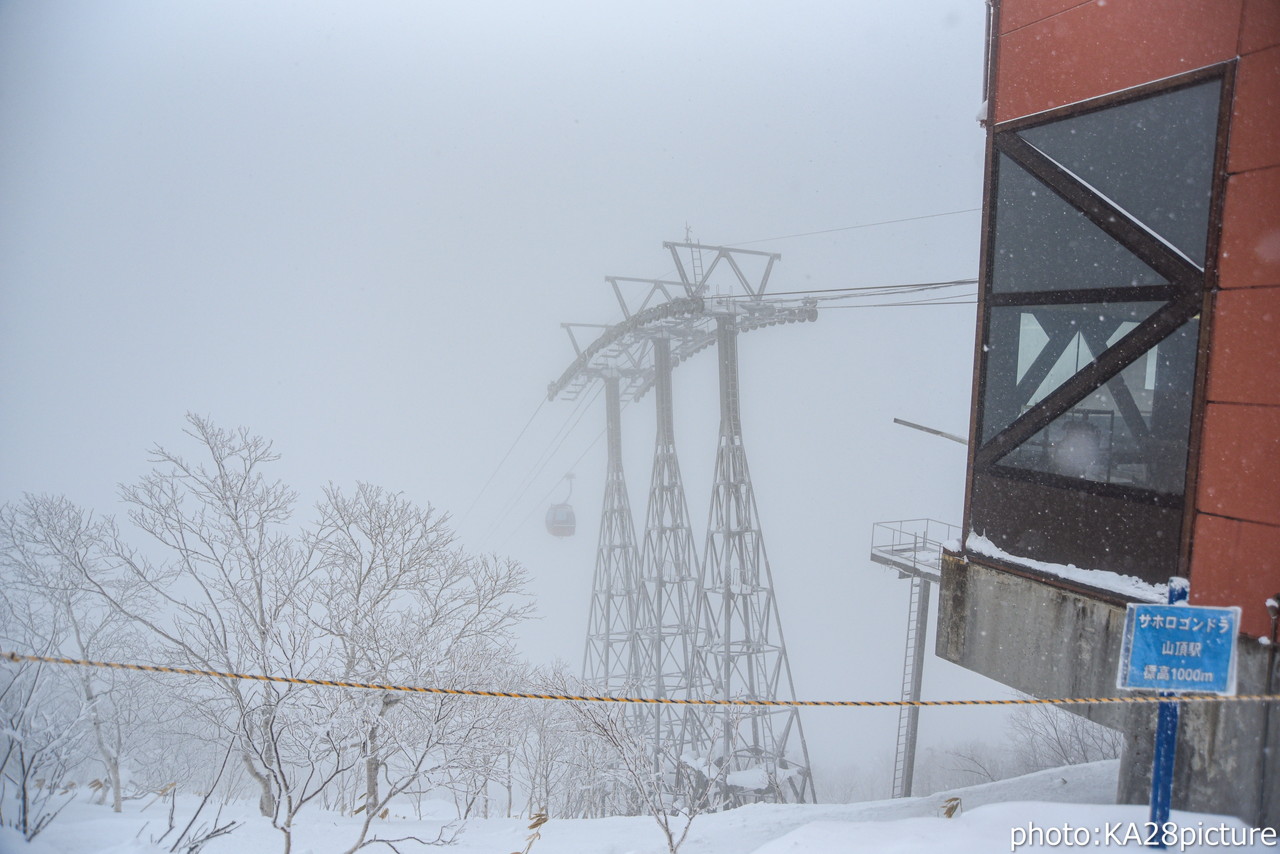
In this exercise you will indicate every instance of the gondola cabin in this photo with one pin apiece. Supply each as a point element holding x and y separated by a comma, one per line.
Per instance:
<point>560,520</point>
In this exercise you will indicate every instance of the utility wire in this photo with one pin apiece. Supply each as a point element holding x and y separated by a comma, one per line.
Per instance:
<point>584,405</point>
<point>537,506</point>
<point>853,227</point>
<point>872,289</point>
<point>534,470</point>
<point>498,467</point>
<point>846,228</point>
<point>909,303</point>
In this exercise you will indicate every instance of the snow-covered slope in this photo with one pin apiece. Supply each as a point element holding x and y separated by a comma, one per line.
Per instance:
<point>985,822</point>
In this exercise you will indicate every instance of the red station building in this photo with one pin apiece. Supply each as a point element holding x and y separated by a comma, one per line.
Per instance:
<point>1126,406</point>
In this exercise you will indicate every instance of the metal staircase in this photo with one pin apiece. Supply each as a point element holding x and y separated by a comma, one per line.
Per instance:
<point>904,758</point>
<point>914,548</point>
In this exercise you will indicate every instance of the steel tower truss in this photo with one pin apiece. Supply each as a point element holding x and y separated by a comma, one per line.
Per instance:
<point>667,604</point>
<point>610,663</point>
<point>743,656</point>
<point>663,624</point>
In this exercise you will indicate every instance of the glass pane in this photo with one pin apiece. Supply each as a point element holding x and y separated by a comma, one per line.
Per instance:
<point>1153,158</point>
<point>1033,350</point>
<point>1133,430</point>
<point>1043,244</point>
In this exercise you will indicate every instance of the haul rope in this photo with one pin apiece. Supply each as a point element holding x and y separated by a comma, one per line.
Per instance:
<point>664,701</point>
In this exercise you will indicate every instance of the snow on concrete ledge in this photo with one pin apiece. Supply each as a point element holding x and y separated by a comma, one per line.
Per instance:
<point>1125,585</point>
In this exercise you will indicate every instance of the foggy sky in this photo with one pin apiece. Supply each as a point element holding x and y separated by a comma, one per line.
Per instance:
<point>356,228</point>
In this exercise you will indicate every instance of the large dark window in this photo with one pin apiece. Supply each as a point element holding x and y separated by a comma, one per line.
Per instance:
<point>1093,285</point>
<point>1042,243</point>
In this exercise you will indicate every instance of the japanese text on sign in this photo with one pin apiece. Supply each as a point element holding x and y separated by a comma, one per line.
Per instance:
<point>1179,648</point>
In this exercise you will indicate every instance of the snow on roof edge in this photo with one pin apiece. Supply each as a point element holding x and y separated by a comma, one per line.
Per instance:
<point>1102,579</point>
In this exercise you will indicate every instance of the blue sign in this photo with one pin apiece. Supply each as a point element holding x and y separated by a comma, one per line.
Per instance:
<point>1179,648</point>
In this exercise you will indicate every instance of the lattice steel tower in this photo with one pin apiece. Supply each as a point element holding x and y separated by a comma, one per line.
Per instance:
<point>743,655</point>
<point>663,623</point>
<point>609,664</point>
<point>667,626</point>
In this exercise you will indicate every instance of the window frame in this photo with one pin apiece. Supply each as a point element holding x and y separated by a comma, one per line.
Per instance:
<point>1187,295</point>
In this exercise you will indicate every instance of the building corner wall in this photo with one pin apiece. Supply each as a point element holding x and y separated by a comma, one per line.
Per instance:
<point>1050,642</point>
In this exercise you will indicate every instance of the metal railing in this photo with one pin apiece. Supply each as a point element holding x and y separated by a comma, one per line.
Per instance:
<point>912,546</point>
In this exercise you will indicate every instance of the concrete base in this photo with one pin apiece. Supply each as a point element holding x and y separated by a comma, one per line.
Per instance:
<point>1046,641</point>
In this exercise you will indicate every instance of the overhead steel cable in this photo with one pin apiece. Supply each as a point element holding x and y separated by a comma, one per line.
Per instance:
<point>584,405</point>
<point>573,466</point>
<point>910,303</point>
<point>534,471</point>
<point>871,289</point>
<point>498,467</point>
<point>854,227</point>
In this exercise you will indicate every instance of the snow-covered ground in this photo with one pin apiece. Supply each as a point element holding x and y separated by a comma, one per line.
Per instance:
<point>990,818</point>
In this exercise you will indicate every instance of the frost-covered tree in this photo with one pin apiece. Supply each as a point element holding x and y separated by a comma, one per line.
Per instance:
<point>1048,737</point>
<point>231,589</point>
<point>49,547</point>
<point>402,605</point>
<point>41,720</point>
<point>375,590</point>
<point>672,789</point>
<point>551,760</point>
<point>1037,737</point>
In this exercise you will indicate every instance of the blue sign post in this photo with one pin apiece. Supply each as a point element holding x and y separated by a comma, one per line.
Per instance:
<point>1176,648</point>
